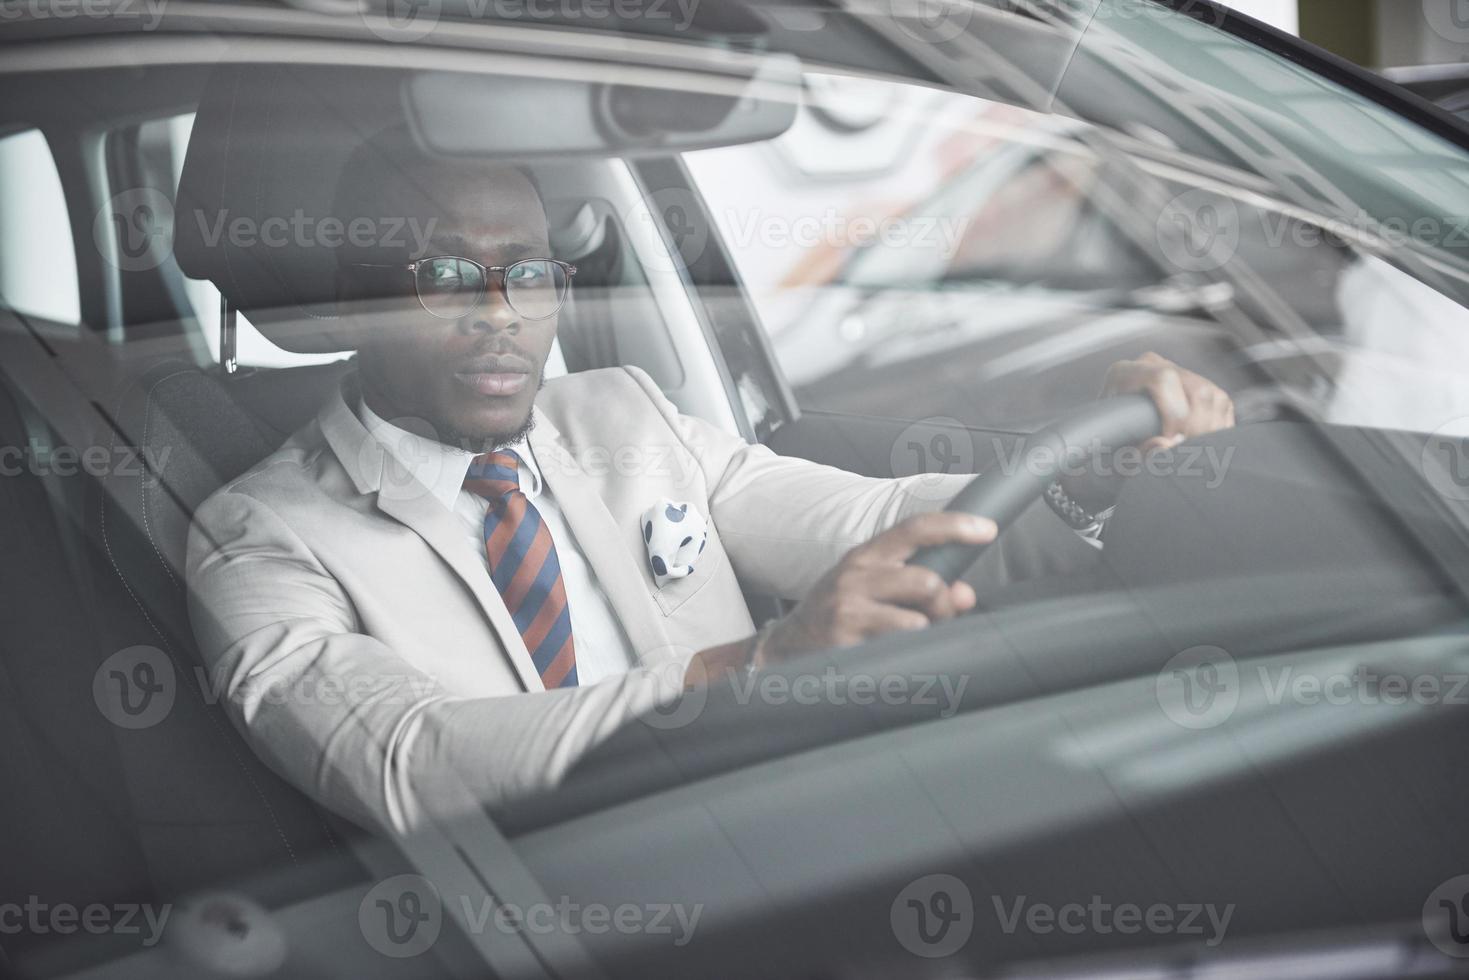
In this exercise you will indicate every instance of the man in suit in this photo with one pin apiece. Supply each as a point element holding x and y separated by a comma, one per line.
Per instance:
<point>437,595</point>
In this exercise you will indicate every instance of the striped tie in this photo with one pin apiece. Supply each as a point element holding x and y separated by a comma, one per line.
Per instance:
<point>524,567</point>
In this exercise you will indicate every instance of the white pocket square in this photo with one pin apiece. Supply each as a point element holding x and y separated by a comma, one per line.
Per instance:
<point>675,534</point>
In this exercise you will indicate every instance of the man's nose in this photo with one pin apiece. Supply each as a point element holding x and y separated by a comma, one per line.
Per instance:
<point>494,313</point>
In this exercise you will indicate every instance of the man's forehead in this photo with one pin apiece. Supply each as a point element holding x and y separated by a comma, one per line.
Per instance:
<point>455,186</point>
<point>487,188</point>
<point>498,241</point>
<point>485,208</point>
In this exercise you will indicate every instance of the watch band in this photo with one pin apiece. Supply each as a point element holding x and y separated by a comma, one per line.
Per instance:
<point>1077,517</point>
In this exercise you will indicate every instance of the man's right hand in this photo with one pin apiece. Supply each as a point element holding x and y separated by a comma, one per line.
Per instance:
<point>873,590</point>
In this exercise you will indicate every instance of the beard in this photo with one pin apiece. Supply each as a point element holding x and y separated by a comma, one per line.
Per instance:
<point>488,444</point>
<point>450,436</point>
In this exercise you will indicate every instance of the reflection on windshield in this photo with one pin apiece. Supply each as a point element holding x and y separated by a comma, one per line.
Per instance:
<point>900,258</point>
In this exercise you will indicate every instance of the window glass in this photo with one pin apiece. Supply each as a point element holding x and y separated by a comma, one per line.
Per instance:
<point>38,267</point>
<point>916,253</point>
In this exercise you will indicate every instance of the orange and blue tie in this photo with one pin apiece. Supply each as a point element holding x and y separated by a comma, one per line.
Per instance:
<point>524,567</point>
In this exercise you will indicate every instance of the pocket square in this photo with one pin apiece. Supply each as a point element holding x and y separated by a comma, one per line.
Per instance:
<point>675,534</point>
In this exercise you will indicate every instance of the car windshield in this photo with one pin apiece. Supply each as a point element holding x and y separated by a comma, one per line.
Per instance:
<point>1249,214</point>
<point>756,488</point>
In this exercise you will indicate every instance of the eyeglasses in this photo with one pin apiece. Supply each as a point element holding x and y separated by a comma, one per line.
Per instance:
<point>450,286</point>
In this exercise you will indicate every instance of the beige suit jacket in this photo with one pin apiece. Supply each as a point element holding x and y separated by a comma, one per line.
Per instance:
<point>366,655</point>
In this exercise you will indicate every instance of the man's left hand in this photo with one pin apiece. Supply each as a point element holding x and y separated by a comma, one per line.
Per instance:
<point>1190,405</point>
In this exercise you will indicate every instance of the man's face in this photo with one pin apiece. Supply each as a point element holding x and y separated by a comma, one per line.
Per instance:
<point>473,379</point>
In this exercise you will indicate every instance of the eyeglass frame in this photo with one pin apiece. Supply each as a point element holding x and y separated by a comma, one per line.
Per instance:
<point>412,269</point>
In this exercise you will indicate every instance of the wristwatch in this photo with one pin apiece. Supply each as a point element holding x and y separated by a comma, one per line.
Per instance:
<point>1077,517</point>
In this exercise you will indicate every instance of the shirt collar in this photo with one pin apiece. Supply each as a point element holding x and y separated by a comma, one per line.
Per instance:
<point>439,466</point>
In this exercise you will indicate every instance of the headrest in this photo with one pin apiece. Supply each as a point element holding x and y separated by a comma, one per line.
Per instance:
<point>253,213</point>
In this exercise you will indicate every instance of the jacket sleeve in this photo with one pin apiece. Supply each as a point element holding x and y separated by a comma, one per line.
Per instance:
<point>344,717</point>
<point>786,521</point>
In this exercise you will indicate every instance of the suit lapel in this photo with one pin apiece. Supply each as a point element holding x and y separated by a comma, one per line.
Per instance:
<point>603,543</point>
<point>375,471</point>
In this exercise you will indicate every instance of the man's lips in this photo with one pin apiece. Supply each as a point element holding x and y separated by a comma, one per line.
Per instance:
<point>501,376</point>
<point>496,383</point>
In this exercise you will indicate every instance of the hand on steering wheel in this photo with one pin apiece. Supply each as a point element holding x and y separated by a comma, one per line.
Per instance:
<point>873,590</point>
<point>1189,404</point>
<point>907,577</point>
<point>1001,494</point>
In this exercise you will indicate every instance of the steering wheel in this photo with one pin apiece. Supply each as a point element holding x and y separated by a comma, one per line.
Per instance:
<point>1001,495</point>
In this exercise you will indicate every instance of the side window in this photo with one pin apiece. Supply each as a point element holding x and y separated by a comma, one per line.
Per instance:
<point>169,137</point>
<point>38,270</point>
<point>922,254</point>
<point>915,253</point>
<point>918,254</point>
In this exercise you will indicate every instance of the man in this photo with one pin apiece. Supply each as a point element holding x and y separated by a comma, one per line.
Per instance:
<point>430,599</point>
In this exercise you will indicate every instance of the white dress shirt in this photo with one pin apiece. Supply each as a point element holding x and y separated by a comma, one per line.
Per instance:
<point>602,647</point>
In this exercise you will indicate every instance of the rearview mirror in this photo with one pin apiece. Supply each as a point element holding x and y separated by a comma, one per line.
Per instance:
<point>456,114</point>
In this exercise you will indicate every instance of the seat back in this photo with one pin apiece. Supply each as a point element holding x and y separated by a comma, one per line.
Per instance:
<point>207,808</point>
<point>66,834</point>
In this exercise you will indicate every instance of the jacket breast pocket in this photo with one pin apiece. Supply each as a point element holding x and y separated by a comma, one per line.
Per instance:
<point>675,592</point>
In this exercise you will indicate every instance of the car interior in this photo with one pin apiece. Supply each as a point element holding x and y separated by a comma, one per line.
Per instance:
<point>192,368</point>
<point>166,809</point>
